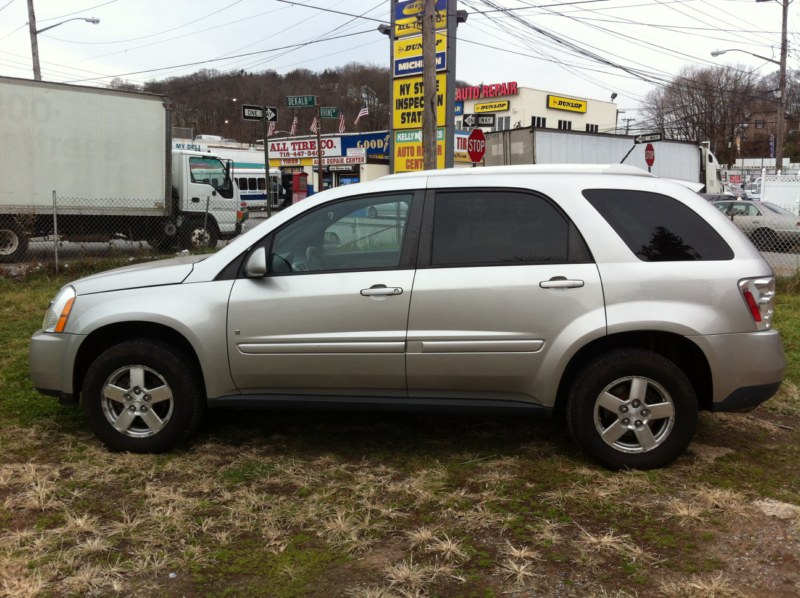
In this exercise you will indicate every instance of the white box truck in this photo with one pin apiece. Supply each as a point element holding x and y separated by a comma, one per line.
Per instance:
<point>101,160</point>
<point>681,160</point>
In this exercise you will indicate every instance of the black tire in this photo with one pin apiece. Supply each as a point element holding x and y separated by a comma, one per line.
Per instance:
<point>194,236</point>
<point>13,241</point>
<point>765,240</point>
<point>642,430</point>
<point>162,244</point>
<point>143,396</point>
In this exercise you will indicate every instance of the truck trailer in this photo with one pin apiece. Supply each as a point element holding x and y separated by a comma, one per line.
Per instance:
<point>92,164</point>
<point>680,160</point>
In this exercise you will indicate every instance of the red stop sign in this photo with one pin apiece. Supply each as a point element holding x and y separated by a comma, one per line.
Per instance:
<point>649,154</point>
<point>476,145</point>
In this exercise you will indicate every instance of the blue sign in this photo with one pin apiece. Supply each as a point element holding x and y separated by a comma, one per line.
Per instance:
<point>413,66</point>
<point>459,108</point>
<point>377,144</point>
<point>771,146</point>
<point>412,8</point>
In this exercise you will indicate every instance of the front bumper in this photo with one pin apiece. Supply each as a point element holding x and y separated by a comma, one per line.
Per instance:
<point>51,359</point>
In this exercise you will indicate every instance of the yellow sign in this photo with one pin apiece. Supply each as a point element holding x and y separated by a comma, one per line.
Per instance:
<point>409,47</point>
<point>407,95</point>
<point>492,106</point>
<point>413,26</point>
<point>570,104</point>
<point>408,155</point>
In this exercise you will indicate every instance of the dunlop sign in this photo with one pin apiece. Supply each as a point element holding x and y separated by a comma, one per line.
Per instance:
<point>409,101</point>
<point>492,106</point>
<point>569,104</point>
<point>408,55</point>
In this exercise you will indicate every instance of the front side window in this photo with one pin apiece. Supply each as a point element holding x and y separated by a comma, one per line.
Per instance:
<point>356,234</point>
<point>658,228</point>
<point>211,171</point>
<point>496,227</point>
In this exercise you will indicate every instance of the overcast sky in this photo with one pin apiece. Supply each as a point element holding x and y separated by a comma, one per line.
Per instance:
<point>580,48</point>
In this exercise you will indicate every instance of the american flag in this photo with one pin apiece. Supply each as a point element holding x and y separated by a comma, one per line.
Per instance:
<point>271,130</point>
<point>293,130</point>
<point>341,122</point>
<point>314,125</point>
<point>363,112</point>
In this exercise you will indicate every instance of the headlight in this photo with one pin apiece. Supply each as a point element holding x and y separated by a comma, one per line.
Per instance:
<point>55,319</point>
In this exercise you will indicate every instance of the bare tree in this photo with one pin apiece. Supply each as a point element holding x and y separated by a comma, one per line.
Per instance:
<point>705,103</point>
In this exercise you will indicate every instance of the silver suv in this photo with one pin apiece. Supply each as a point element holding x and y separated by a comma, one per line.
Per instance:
<point>621,301</point>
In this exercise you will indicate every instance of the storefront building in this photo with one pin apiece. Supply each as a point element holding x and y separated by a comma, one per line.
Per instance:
<point>515,107</point>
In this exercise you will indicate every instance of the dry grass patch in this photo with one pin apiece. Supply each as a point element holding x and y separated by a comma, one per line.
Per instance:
<point>709,586</point>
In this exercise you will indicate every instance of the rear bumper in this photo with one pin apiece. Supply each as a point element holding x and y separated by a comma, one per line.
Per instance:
<point>748,398</point>
<point>746,368</point>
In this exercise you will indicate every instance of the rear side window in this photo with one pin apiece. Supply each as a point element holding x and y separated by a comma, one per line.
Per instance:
<point>495,227</point>
<point>658,228</point>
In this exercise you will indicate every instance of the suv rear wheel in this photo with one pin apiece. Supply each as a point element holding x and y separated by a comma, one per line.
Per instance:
<point>632,408</point>
<point>142,396</point>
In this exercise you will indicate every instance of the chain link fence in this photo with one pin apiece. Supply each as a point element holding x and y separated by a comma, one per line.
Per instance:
<point>78,228</point>
<point>774,228</point>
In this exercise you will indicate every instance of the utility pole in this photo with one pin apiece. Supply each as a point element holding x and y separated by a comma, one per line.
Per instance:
<point>779,134</point>
<point>37,71</point>
<point>429,144</point>
<point>628,122</point>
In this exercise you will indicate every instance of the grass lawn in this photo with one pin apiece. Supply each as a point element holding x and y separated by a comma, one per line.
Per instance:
<point>382,505</point>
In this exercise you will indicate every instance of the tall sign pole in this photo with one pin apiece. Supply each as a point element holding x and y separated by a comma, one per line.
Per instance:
<point>319,148</point>
<point>266,167</point>
<point>266,114</point>
<point>429,143</point>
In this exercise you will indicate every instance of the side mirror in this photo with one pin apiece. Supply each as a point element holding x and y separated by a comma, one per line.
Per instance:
<point>256,264</point>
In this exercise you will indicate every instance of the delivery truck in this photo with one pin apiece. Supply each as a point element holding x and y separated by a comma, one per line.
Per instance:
<point>91,164</point>
<point>680,160</point>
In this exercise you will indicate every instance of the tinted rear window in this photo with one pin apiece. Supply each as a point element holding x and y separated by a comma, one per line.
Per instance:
<point>492,227</point>
<point>658,228</point>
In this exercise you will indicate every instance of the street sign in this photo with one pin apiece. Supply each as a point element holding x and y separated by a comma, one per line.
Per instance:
<point>301,101</point>
<point>476,145</point>
<point>328,112</point>
<point>271,114</point>
<point>258,112</point>
<point>252,112</point>
<point>647,138</point>
<point>649,154</point>
<point>479,120</point>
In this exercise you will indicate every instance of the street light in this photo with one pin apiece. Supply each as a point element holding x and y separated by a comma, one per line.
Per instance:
<point>781,85</point>
<point>716,53</point>
<point>37,71</point>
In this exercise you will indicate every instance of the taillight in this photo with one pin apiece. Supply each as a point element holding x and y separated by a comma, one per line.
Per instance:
<point>759,296</point>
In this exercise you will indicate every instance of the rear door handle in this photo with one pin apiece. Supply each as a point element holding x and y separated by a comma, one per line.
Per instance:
<point>381,290</point>
<point>561,282</point>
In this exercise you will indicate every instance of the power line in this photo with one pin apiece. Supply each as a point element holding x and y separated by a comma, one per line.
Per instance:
<point>300,45</point>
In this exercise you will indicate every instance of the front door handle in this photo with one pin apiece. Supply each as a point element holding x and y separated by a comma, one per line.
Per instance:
<point>195,200</point>
<point>381,290</point>
<point>561,282</point>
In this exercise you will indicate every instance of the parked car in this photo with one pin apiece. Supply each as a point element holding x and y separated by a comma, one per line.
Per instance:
<point>717,196</point>
<point>769,226</point>
<point>620,301</point>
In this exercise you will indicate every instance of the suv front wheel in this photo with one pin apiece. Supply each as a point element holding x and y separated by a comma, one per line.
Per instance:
<point>632,408</point>
<point>142,396</point>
